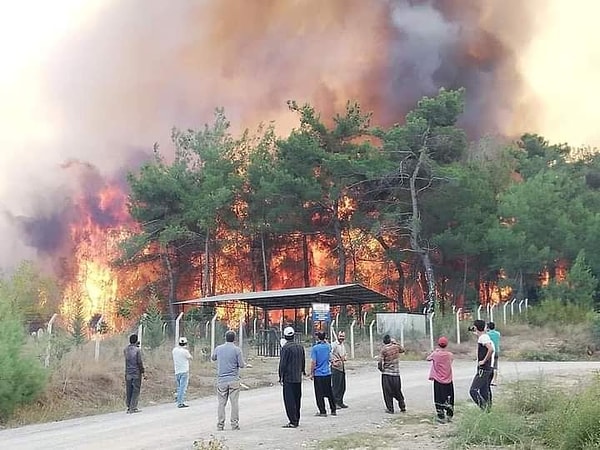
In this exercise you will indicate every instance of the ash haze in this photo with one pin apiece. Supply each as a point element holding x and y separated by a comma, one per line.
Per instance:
<point>100,81</point>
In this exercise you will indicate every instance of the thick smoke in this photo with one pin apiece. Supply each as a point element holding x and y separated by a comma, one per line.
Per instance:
<point>128,73</point>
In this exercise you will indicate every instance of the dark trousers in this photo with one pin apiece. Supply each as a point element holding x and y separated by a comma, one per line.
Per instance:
<point>392,389</point>
<point>292,396</point>
<point>480,390</point>
<point>132,389</point>
<point>323,389</point>
<point>443,398</point>
<point>338,386</point>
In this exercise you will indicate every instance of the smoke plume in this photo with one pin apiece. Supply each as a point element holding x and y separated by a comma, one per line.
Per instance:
<point>124,73</point>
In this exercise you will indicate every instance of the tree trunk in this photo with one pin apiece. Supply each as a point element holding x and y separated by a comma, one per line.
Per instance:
<point>172,287</point>
<point>415,229</point>
<point>264,261</point>
<point>399,269</point>
<point>206,280</point>
<point>341,251</point>
<point>305,260</point>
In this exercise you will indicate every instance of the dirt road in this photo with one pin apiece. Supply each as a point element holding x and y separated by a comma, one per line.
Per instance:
<point>262,415</point>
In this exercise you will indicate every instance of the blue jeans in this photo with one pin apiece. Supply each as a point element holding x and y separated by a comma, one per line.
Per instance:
<point>182,380</point>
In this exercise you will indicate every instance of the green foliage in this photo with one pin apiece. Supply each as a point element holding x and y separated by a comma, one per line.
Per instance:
<point>595,330</point>
<point>544,355</point>
<point>22,378</point>
<point>77,325</point>
<point>556,312</point>
<point>153,325</point>
<point>499,427</point>
<point>579,286</point>
<point>573,422</point>
<point>536,412</point>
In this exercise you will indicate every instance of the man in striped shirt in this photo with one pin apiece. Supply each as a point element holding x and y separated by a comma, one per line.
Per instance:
<point>391,384</point>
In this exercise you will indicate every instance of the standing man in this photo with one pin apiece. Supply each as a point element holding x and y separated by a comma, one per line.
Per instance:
<point>389,366</point>
<point>229,362</point>
<point>480,387</point>
<point>134,370</point>
<point>443,385</point>
<point>495,337</point>
<point>181,361</point>
<point>338,370</point>
<point>291,368</point>
<point>320,372</point>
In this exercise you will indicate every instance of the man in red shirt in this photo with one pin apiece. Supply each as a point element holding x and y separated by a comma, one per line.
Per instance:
<point>443,386</point>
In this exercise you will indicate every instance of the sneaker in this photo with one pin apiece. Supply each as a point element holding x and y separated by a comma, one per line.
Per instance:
<point>403,410</point>
<point>133,411</point>
<point>333,413</point>
<point>389,411</point>
<point>236,428</point>
<point>343,406</point>
<point>320,414</point>
<point>220,429</point>
<point>290,425</point>
<point>440,420</point>
<point>183,405</point>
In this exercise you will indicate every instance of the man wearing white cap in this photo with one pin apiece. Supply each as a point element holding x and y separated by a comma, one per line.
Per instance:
<point>181,361</point>
<point>291,368</point>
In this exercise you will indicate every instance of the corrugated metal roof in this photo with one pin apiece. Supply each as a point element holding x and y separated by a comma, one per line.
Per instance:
<point>343,294</point>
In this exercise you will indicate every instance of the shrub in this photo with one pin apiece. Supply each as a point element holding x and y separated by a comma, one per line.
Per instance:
<point>573,423</point>
<point>552,311</point>
<point>531,397</point>
<point>22,378</point>
<point>498,427</point>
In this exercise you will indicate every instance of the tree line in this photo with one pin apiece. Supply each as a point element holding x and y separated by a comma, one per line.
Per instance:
<point>444,221</point>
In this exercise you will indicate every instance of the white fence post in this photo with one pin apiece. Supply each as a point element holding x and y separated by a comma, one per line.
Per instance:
<point>520,305</point>
<point>504,312</point>
<point>479,312</point>
<point>254,322</point>
<point>213,323</point>
<point>431,329</point>
<point>371,338</point>
<point>492,313</point>
<point>352,338</point>
<point>281,325</point>
<point>402,333</point>
<point>97,338</point>
<point>207,329</point>
<point>306,324</point>
<point>458,325</point>
<point>526,303</point>
<point>49,328</point>
<point>177,327</point>
<point>512,312</point>
<point>241,335</point>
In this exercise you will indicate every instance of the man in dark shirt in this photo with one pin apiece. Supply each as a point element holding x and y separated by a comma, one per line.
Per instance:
<point>134,370</point>
<point>480,387</point>
<point>291,368</point>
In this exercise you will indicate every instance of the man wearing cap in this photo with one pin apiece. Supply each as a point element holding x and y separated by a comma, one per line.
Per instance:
<point>338,370</point>
<point>291,368</point>
<point>443,386</point>
<point>181,362</point>
<point>229,362</point>
<point>320,372</point>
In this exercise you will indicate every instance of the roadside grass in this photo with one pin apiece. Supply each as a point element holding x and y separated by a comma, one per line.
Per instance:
<point>358,441</point>
<point>535,414</point>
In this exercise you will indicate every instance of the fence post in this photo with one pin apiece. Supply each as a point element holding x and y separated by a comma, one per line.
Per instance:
<point>402,333</point>
<point>49,328</point>
<point>492,313</point>
<point>254,322</point>
<point>306,324</point>
<point>213,323</point>
<point>177,327</point>
<point>371,338</point>
<point>458,325</point>
<point>526,303</point>
<point>431,329</point>
<point>512,312</point>
<point>520,304</point>
<point>241,335</point>
<point>281,325</point>
<point>352,338</point>
<point>479,312</point>
<point>97,338</point>
<point>504,312</point>
<point>207,329</point>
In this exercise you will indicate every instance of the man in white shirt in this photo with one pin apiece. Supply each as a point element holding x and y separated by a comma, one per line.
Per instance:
<point>480,387</point>
<point>338,370</point>
<point>181,361</point>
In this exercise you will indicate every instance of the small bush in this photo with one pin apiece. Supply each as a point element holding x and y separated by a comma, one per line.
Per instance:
<point>531,397</point>
<point>574,423</point>
<point>22,378</point>
<point>552,311</point>
<point>543,355</point>
<point>498,427</point>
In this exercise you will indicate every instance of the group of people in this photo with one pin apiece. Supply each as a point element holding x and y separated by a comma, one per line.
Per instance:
<point>327,371</point>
